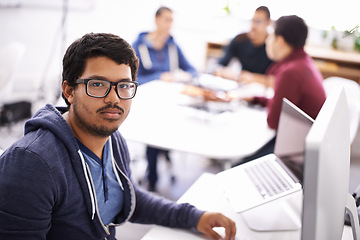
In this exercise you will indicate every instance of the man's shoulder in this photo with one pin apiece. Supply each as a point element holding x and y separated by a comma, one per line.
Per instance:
<point>241,38</point>
<point>140,38</point>
<point>37,151</point>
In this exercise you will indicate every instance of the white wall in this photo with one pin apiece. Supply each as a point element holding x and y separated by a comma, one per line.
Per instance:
<point>37,23</point>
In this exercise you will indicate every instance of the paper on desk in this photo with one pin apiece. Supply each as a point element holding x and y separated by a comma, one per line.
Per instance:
<point>165,233</point>
<point>216,83</point>
<point>201,193</point>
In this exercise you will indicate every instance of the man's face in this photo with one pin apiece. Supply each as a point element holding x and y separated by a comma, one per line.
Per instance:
<point>100,116</point>
<point>272,43</point>
<point>259,22</point>
<point>164,21</point>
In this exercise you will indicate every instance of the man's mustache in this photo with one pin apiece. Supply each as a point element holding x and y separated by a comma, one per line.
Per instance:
<point>109,106</point>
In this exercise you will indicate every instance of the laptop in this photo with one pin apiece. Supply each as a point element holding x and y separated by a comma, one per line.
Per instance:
<point>274,175</point>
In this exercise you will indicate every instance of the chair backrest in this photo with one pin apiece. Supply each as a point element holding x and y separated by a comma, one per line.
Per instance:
<point>11,54</point>
<point>352,90</point>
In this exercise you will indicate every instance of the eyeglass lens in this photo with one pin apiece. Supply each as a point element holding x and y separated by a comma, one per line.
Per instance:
<point>100,88</point>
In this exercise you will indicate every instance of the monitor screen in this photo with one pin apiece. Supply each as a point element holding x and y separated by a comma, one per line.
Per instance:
<point>294,125</point>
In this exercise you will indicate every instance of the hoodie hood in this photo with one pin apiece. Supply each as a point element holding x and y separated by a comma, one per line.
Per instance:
<point>141,39</point>
<point>50,118</point>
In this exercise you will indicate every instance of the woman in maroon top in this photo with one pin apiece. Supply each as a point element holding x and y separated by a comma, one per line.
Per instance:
<point>293,73</point>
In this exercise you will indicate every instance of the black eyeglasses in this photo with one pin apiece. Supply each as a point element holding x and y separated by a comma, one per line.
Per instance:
<point>100,88</point>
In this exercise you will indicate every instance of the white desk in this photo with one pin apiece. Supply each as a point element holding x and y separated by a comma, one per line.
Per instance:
<point>160,117</point>
<point>206,196</point>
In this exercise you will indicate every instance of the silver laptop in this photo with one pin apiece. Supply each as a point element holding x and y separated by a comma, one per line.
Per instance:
<point>275,175</point>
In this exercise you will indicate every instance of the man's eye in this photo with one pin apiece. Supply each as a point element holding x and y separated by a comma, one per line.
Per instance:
<point>123,85</point>
<point>97,84</point>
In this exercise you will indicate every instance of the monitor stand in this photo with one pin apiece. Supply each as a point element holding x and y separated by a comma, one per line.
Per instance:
<point>283,214</point>
<point>353,214</point>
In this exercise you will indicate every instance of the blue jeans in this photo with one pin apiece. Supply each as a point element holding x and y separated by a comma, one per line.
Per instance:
<point>152,156</point>
<point>264,150</point>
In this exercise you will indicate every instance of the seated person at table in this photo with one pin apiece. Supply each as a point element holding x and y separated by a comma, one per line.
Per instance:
<point>69,176</point>
<point>159,54</point>
<point>249,49</point>
<point>296,76</point>
<point>160,59</point>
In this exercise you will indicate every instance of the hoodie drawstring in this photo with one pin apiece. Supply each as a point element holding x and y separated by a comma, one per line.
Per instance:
<point>89,186</point>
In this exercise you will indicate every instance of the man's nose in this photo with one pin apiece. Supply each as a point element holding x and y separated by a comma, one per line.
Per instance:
<point>112,96</point>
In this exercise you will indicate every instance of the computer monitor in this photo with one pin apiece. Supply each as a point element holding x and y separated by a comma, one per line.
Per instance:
<point>326,171</point>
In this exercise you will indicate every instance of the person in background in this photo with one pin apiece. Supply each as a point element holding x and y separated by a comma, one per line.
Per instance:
<point>69,176</point>
<point>160,59</point>
<point>249,49</point>
<point>296,76</point>
<point>160,56</point>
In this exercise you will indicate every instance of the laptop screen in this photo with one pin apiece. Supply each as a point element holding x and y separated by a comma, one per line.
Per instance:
<point>293,128</point>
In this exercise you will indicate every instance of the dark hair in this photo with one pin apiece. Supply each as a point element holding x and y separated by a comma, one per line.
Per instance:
<point>293,29</point>
<point>265,10</point>
<point>96,45</point>
<point>161,10</point>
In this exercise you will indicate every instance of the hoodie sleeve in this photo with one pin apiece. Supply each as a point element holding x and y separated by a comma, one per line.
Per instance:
<point>152,209</point>
<point>27,195</point>
<point>184,63</point>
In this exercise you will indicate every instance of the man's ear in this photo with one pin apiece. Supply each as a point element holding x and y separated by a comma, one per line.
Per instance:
<point>281,40</point>
<point>68,91</point>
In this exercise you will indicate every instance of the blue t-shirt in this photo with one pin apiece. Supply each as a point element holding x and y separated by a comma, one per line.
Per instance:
<point>109,192</point>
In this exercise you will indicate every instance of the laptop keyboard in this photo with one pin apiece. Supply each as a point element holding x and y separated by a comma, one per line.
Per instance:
<point>267,179</point>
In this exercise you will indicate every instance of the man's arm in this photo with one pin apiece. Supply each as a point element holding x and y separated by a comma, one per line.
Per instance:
<point>229,53</point>
<point>151,209</point>
<point>26,196</point>
<point>184,64</point>
<point>288,86</point>
<point>249,77</point>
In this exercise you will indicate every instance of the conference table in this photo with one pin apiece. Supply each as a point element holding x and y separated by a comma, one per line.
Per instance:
<point>163,116</point>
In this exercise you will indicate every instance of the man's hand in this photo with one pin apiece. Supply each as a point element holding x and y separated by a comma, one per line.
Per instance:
<point>166,76</point>
<point>246,77</point>
<point>209,220</point>
<point>225,72</point>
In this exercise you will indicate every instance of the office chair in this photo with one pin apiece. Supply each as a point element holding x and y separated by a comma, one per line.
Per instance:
<point>352,90</point>
<point>11,54</point>
<point>139,164</point>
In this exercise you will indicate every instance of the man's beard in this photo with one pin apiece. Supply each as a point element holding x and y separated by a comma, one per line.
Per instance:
<point>94,129</point>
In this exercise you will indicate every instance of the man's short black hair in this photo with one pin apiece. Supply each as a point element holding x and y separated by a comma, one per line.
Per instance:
<point>96,45</point>
<point>293,29</point>
<point>161,10</point>
<point>265,10</point>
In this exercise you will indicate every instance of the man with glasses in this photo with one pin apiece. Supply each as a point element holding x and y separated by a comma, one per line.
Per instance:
<point>249,49</point>
<point>69,176</point>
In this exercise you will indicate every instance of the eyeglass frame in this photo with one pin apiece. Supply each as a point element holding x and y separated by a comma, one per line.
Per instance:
<point>86,80</point>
